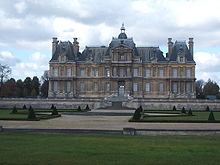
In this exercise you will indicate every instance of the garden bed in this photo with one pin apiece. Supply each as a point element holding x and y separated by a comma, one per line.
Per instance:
<point>177,117</point>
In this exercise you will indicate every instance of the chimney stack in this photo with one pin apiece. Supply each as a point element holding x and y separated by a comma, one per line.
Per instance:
<point>75,46</point>
<point>54,45</point>
<point>170,47</point>
<point>191,46</point>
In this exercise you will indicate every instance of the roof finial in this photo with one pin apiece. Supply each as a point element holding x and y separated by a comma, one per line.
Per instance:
<point>123,28</point>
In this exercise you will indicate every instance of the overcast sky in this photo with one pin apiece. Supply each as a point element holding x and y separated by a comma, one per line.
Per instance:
<point>27,26</point>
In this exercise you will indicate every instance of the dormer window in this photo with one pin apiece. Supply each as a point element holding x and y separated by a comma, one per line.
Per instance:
<point>181,59</point>
<point>62,58</point>
<point>121,58</point>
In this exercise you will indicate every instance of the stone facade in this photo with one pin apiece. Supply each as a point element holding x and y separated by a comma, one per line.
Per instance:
<point>122,69</point>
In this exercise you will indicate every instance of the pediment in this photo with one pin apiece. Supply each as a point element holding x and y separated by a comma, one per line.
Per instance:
<point>122,46</point>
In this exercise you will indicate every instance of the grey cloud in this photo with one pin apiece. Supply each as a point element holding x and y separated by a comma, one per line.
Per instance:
<point>6,58</point>
<point>147,28</point>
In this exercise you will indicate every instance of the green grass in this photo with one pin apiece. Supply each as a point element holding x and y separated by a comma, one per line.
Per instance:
<point>198,116</point>
<point>37,149</point>
<point>5,114</point>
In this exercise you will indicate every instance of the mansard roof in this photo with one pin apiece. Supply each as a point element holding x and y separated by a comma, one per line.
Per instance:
<point>148,54</point>
<point>180,47</point>
<point>97,54</point>
<point>64,48</point>
<point>93,54</point>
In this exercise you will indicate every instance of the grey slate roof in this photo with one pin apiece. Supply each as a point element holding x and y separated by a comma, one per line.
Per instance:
<point>180,47</point>
<point>150,53</point>
<point>66,48</point>
<point>122,36</point>
<point>96,54</point>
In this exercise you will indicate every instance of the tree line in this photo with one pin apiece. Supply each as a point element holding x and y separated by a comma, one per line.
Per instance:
<point>30,87</point>
<point>209,89</point>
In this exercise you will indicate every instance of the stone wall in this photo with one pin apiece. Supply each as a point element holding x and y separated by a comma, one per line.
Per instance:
<point>59,103</point>
<point>148,104</point>
<point>167,104</point>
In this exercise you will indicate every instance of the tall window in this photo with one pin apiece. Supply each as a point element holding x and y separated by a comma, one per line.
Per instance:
<point>161,73</point>
<point>174,72</point>
<point>69,72</point>
<point>135,87</point>
<point>188,87</point>
<point>95,72</point>
<point>107,72</point>
<point>121,72</point>
<point>55,86</point>
<point>161,87</point>
<point>82,72</point>
<point>147,87</point>
<point>68,86</point>
<point>82,86</point>
<point>55,72</point>
<point>147,72</point>
<point>121,57</point>
<point>188,72</point>
<point>107,86</point>
<point>95,86</point>
<point>135,72</point>
<point>174,87</point>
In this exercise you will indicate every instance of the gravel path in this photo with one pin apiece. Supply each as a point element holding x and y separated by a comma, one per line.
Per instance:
<point>103,123</point>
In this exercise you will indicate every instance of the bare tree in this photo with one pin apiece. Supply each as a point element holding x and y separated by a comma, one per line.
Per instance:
<point>5,71</point>
<point>45,84</point>
<point>45,76</point>
<point>199,88</point>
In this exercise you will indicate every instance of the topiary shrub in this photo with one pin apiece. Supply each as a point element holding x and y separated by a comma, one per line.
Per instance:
<point>87,108</point>
<point>31,114</point>
<point>211,117</point>
<point>183,110</point>
<point>79,108</point>
<point>52,106</point>
<point>141,109</point>
<point>54,112</point>
<point>24,107</point>
<point>190,112</point>
<point>207,108</point>
<point>137,114</point>
<point>174,108</point>
<point>14,110</point>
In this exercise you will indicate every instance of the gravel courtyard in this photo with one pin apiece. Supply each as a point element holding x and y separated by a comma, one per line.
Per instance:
<point>103,123</point>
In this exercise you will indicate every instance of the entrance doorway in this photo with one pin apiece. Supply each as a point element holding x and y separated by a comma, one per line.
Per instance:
<point>121,88</point>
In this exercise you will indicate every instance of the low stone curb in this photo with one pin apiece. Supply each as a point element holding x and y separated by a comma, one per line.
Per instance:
<point>170,132</point>
<point>125,131</point>
<point>60,131</point>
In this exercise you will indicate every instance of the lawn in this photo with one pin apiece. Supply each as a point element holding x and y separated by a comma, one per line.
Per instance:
<point>43,149</point>
<point>5,114</point>
<point>198,116</point>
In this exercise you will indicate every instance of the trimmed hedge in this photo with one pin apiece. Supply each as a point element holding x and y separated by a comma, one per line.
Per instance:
<point>14,110</point>
<point>31,114</point>
<point>211,117</point>
<point>54,112</point>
